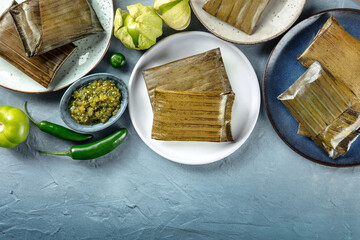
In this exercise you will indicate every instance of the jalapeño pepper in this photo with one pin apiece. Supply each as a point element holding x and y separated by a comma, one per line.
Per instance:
<point>95,149</point>
<point>58,131</point>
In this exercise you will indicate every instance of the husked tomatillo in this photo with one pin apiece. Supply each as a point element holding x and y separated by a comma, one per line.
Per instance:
<point>139,28</point>
<point>175,13</point>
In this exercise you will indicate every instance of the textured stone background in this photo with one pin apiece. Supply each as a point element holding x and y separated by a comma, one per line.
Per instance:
<point>262,191</point>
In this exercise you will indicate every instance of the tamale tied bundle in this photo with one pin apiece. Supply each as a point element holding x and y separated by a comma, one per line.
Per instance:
<point>325,108</point>
<point>191,99</point>
<point>242,14</point>
<point>192,116</point>
<point>40,68</point>
<point>44,25</point>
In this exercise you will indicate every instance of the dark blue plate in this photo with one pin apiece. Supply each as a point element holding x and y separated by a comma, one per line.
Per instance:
<point>283,69</point>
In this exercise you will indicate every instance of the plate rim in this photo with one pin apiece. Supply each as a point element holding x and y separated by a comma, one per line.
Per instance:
<point>240,143</point>
<point>92,68</point>
<point>275,49</point>
<point>251,42</point>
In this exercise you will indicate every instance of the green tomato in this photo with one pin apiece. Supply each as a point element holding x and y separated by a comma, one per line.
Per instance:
<point>131,26</point>
<point>14,126</point>
<point>117,60</point>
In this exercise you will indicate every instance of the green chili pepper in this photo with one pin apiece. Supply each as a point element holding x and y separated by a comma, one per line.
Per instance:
<point>95,149</point>
<point>58,131</point>
<point>117,60</point>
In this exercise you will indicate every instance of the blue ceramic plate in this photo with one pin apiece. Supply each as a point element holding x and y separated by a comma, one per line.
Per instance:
<point>65,100</point>
<point>283,69</point>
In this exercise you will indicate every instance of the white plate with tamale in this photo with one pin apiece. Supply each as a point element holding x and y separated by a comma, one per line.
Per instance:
<point>247,21</point>
<point>25,75</point>
<point>240,74</point>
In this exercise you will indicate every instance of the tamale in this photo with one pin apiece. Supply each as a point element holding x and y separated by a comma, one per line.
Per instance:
<point>242,14</point>
<point>302,131</point>
<point>336,139</point>
<point>341,132</point>
<point>199,72</point>
<point>316,99</point>
<point>192,115</point>
<point>40,68</point>
<point>27,20</point>
<point>44,25</point>
<point>338,52</point>
<point>323,107</point>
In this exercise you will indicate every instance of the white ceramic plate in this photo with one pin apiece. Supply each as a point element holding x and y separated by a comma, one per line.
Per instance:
<point>4,5</point>
<point>278,16</point>
<point>243,81</point>
<point>87,55</point>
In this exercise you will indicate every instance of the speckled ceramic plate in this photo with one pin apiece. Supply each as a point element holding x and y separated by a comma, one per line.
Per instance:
<point>87,55</point>
<point>243,82</point>
<point>283,69</point>
<point>278,16</point>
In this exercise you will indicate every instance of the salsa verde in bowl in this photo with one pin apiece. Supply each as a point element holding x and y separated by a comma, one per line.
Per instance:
<point>94,102</point>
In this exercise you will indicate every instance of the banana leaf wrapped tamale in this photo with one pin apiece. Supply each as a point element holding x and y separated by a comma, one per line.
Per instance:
<point>191,99</point>
<point>338,52</point>
<point>325,108</point>
<point>44,25</point>
<point>40,68</point>
<point>199,72</point>
<point>242,14</point>
<point>343,131</point>
<point>302,131</point>
<point>192,115</point>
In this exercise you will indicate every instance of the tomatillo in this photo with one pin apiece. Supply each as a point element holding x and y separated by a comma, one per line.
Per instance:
<point>14,126</point>
<point>130,23</point>
<point>175,13</point>
<point>139,28</point>
<point>117,60</point>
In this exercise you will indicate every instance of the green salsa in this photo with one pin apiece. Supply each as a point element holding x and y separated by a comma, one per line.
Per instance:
<point>95,103</point>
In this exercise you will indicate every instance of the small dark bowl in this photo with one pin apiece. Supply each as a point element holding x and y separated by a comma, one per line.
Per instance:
<point>65,100</point>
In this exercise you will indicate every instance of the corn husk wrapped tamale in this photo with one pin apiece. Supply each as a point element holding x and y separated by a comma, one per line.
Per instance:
<point>242,14</point>
<point>338,52</point>
<point>323,107</point>
<point>44,25</point>
<point>199,72</point>
<point>192,115</point>
<point>40,68</point>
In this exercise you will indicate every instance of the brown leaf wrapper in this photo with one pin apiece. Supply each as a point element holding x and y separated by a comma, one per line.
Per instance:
<point>44,25</point>
<point>192,116</point>
<point>337,138</point>
<point>338,52</point>
<point>326,109</point>
<point>40,68</point>
<point>191,99</point>
<point>242,14</point>
<point>199,72</point>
